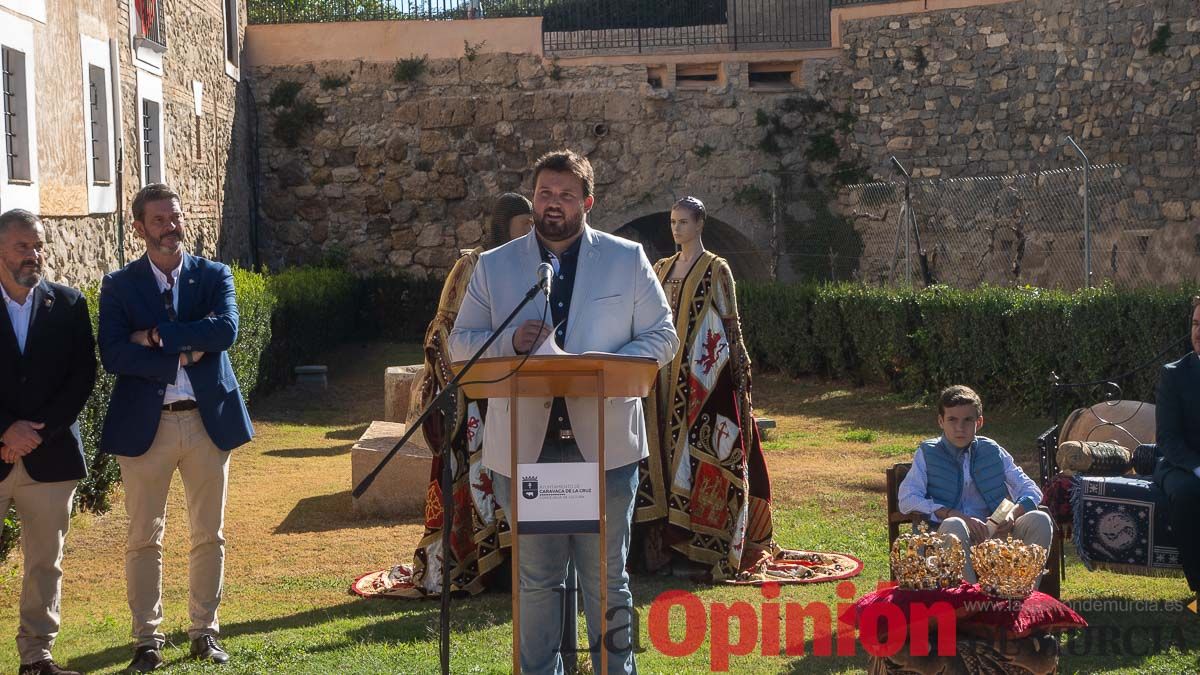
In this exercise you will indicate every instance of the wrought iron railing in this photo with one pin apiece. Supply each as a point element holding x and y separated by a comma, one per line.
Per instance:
<point>595,25</point>
<point>149,21</point>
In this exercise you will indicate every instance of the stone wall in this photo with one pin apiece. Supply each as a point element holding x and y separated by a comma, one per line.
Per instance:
<point>997,89</point>
<point>399,175</point>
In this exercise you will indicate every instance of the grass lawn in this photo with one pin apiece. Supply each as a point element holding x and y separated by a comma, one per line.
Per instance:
<point>294,546</point>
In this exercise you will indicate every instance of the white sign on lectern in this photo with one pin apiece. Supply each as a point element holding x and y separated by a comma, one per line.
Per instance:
<point>560,498</point>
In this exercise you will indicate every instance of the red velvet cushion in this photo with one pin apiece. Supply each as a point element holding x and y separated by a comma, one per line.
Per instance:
<point>963,599</point>
<point>1039,613</point>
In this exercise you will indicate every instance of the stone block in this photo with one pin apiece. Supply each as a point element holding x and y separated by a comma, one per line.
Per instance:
<point>398,385</point>
<point>399,490</point>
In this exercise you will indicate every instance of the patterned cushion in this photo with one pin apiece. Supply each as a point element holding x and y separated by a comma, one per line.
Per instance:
<point>1121,525</point>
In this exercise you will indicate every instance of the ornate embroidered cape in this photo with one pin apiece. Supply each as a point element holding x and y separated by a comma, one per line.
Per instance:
<point>706,473</point>
<point>479,526</point>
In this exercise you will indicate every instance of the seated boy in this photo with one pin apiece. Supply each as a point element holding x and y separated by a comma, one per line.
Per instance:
<point>958,480</point>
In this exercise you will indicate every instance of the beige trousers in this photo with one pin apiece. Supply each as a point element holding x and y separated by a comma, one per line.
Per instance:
<point>181,443</point>
<point>45,513</point>
<point>1034,527</point>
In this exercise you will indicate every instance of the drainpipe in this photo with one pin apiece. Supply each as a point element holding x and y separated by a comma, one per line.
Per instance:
<point>255,173</point>
<point>114,60</point>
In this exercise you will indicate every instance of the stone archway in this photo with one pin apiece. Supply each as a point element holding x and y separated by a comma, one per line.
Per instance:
<point>653,232</point>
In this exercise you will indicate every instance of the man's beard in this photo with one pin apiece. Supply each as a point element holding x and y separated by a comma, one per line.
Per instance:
<point>558,231</point>
<point>28,276</point>
<point>174,247</point>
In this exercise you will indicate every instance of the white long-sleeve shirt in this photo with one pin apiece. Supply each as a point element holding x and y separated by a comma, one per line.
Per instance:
<point>914,492</point>
<point>19,314</point>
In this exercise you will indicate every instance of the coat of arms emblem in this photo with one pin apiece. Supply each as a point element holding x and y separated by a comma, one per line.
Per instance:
<point>529,487</point>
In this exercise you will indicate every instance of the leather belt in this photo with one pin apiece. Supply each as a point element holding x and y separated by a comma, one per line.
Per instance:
<point>179,406</point>
<point>566,434</point>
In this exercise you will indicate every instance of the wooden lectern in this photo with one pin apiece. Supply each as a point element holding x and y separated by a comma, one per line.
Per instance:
<point>591,375</point>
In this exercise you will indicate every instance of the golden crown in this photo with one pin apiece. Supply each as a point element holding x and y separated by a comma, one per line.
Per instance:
<point>926,561</point>
<point>1008,568</point>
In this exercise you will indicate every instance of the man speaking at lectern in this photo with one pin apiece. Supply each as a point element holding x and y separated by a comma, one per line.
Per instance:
<point>604,297</point>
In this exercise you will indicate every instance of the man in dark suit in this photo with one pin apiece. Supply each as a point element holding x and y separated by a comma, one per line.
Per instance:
<point>166,321</point>
<point>48,367</point>
<point>1177,418</point>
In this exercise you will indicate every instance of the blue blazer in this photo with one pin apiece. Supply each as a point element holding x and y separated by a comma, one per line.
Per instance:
<point>1177,415</point>
<point>207,322</point>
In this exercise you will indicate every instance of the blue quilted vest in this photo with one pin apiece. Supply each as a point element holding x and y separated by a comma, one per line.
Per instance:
<point>944,481</point>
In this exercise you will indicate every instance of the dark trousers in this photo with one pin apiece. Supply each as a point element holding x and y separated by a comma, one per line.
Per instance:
<point>1183,490</point>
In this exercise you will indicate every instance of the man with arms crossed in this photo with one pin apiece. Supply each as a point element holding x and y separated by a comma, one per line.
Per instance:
<point>166,321</point>
<point>47,367</point>
<point>604,297</point>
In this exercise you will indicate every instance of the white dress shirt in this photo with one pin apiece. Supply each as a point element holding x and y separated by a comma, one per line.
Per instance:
<point>19,314</point>
<point>182,389</point>
<point>914,496</point>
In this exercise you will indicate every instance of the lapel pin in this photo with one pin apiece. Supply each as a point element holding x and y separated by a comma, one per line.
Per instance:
<point>47,302</point>
<point>191,281</point>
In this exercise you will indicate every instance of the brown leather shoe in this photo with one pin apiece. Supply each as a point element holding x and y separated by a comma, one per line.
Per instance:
<point>45,667</point>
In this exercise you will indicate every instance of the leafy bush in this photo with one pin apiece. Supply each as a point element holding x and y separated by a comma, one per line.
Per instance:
<point>256,305</point>
<point>408,70</point>
<point>293,121</point>
<point>397,307</point>
<point>284,93</point>
<point>1004,341</point>
<point>315,310</point>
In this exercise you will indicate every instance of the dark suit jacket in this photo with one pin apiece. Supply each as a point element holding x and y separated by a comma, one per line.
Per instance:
<point>130,301</point>
<point>1177,414</point>
<point>51,381</point>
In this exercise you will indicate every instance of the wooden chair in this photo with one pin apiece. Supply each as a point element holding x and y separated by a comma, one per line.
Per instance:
<point>1051,581</point>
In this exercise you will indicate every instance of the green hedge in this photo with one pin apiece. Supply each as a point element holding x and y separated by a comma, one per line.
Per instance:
<point>1004,341</point>
<point>397,307</point>
<point>315,310</point>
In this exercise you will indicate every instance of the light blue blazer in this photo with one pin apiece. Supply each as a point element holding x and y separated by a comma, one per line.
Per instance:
<point>617,306</point>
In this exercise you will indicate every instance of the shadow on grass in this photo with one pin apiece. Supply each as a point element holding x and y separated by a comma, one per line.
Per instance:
<point>352,434</point>
<point>390,621</point>
<point>301,453</point>
<point>325,513</point>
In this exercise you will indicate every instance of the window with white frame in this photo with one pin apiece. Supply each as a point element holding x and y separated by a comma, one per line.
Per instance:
<point>151,136</point>
<point>16,114</point>
<point>151,141</point>
<point>98,134</point>
<point>149,21</point>
<point>18,166</point>
<point>98,127</point>
<point>147,34</point>
<point>232,50</point>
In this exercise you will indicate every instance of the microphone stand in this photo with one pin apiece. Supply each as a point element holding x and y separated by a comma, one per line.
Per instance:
<point>446,403</point>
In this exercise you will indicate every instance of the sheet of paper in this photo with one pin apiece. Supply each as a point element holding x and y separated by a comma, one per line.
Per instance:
<point>549,347</point>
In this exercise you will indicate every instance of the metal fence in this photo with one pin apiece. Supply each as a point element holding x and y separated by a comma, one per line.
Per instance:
<point>1022,229</point>
<point>595,25</point>
<point>638,25</point>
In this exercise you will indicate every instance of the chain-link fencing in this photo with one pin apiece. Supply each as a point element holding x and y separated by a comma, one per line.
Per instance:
<point>1021,229</point>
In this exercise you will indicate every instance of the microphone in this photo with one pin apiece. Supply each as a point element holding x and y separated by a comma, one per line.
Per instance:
<point>545,272</point>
